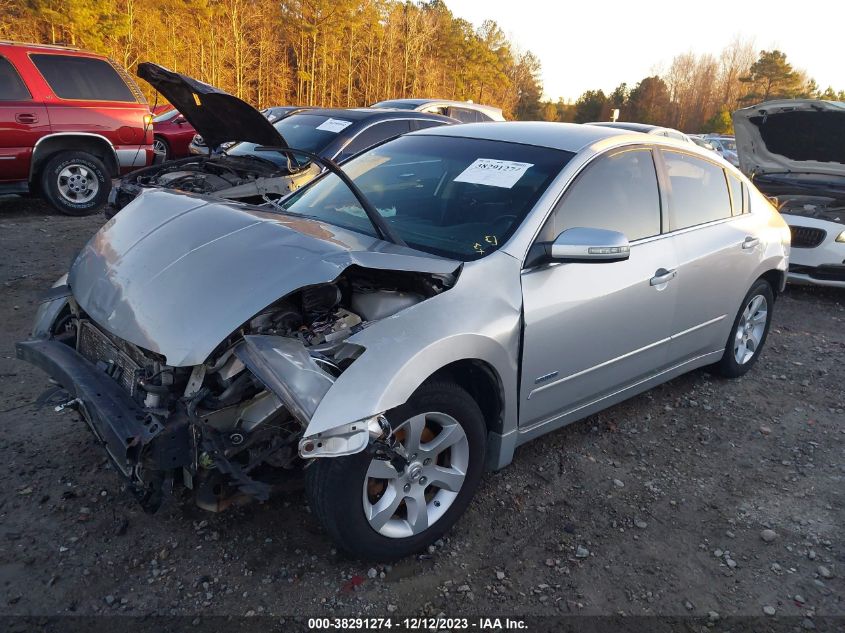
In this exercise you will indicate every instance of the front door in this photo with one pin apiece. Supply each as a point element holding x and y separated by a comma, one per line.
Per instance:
<point>593,328</point>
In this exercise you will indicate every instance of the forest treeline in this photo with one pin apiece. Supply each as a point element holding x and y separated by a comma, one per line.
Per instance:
<point>305,52</point>
<point>354,52</point>
<point>698,92</point>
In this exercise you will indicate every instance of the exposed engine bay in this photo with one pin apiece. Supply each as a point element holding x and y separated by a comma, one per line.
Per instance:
<point>818,207</point>
<point>220,428</point>
<point>246,179</point>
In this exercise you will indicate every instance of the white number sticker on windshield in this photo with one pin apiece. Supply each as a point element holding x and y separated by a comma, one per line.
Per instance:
<point>334,125</point>
<point>493,173</point>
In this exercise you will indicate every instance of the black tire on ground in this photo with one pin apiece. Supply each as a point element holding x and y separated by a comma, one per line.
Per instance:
<point>75,183</point>
<point>165,147</point>
<point>729,367</point>
<point>334,486</point>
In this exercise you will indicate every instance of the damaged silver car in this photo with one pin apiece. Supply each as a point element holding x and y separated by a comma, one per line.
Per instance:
<point>239,170</point>
<point>395,327</point>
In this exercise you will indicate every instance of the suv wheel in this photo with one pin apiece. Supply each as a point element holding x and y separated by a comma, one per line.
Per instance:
<point>75,183</point>
<point>749,332</point>
<point>374,512</point>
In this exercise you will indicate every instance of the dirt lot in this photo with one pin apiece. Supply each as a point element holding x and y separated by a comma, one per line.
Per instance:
<point>656,506</point>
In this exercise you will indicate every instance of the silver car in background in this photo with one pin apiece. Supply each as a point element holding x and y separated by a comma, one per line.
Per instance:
<point>464,111</point>
<point>398,325</point>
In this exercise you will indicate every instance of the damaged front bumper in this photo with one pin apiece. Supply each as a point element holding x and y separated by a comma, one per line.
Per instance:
<point>117,421</point>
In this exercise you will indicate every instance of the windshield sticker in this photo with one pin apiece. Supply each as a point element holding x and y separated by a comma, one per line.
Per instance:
<point>334,125</point>
<point>493,173</point>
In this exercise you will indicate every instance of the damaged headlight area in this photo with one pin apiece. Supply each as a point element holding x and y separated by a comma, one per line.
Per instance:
<point>233,428</point>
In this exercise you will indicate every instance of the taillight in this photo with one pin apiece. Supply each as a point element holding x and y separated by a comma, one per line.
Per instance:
<point>148,120</point>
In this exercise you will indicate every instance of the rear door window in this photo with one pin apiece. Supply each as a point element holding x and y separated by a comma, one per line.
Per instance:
<point>698,191</point>
<point>82,78</point>
<point>12,87</point>
<point>617,193</point>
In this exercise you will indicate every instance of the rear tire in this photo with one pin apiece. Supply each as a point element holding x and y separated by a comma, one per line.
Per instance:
<point>390,517</point>
<point>75,183</point>
<point>749,332</point>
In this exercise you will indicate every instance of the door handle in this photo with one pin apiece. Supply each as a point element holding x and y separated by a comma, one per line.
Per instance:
<point>662,276</point>
<point>750,242</point>
<point>26,117</point>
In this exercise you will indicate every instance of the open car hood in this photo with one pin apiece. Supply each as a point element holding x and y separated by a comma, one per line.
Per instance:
<point>791,136</point>
<point>216,115</point>
<point>176,274</point>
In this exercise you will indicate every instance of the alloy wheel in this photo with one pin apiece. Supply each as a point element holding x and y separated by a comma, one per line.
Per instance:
<point>159,147</point>
<point>750,329</point>
<point>399,505</point>
<point>78,184</point>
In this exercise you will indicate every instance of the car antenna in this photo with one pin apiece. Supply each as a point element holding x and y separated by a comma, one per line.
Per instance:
<point>376,219</point>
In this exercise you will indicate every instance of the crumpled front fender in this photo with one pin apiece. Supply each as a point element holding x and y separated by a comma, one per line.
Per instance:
<point>474,320</point>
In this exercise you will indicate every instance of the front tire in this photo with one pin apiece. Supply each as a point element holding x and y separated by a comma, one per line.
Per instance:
<point>75,183</point>
<point>749,331</point>
<point>373,512</point>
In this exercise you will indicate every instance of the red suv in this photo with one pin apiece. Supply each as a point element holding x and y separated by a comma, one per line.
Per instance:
<point>70,121</point>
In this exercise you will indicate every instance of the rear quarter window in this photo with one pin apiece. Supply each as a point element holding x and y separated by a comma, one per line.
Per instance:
<point>737,195</point>
<point>82,78</point>
<point>698,191</point>
<point>466,115</point>
<point>12,87</point>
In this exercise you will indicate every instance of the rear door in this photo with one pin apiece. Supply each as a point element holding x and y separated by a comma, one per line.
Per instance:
<point>593,328</point>
<point>715,250</point>
<point>22,122</point>
<point>93,95</point>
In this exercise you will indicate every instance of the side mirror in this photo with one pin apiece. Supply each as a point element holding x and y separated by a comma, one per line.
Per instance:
<point>179,120</point>
<point>587,245</point>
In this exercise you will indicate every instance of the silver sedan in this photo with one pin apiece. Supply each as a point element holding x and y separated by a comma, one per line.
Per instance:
<point>399,325</point>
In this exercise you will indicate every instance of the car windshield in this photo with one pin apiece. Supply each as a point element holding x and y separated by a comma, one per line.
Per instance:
<point>165,116</point>
<point>455,197</point>
<point>311,132</point>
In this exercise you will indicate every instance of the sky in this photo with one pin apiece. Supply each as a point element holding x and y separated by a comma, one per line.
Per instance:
<point>601,43</point>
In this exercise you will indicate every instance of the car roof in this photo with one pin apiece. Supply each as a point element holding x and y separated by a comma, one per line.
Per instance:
<point>570,137</point>
<point>373,114</point>
<point>54,48</point>
<point>629,125</point>
<point>421,102</point>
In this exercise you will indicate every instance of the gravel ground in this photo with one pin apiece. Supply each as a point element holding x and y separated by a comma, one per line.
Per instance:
<point>701,497</point>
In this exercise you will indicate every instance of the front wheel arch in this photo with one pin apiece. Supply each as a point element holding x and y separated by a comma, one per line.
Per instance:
<point>776,279</point>
<point>334,485</point>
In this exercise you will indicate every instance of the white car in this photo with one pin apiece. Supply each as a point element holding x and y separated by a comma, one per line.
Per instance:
<point>794,150</point>
<point>646,128</point>
<point>463,111</point>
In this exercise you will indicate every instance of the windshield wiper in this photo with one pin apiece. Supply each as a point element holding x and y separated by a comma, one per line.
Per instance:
<point>382,228</point>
